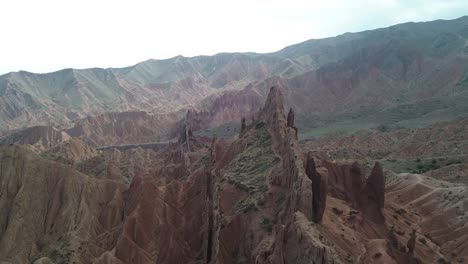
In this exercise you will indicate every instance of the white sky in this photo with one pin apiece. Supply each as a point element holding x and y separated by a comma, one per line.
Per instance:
<point>48,35</point>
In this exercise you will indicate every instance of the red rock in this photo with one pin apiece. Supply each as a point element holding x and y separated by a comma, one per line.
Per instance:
<point>319,188</point>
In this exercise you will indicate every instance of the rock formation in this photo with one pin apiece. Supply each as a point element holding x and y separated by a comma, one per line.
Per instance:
<point>251,199</point>
<point>319,188</point>
<point>243,126</point>
<point>185,133</point>
<point>290,121</point>
<point>411,243</point>
<point>290,118</point>
<point>348,182</point>
<point>345,181</point>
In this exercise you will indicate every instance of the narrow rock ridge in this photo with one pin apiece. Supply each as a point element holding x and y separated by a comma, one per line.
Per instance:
<point>293,175</point>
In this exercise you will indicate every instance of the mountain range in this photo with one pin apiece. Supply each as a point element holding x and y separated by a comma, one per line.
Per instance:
<point>412,74</point>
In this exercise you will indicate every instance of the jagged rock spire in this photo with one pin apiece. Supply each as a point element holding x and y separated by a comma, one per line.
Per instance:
<point>185,131</point>
<point>411,243</point>
<point>377,181</point>
<point>290,120</point>
<point>274,106</point>
<point>319,188</point>
<point>243,126</point>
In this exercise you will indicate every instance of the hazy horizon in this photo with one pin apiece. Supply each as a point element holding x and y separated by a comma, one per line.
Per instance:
<point>52,35</point>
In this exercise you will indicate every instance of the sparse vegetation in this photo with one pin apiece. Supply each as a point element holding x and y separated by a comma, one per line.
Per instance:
<point>248,204</point>
<point>95,166</point>
<point>453,161</point>
<point>58,253</point>
<point>422,240</point>
<point>337,211</point>
<point>237,258</point>
<point>266,224</point>
<point>424,166</point>
<point>401,233</point>
<point>442,260</point>
<point>401,211</point>
<point>249,170</point>
<point>205,159</point>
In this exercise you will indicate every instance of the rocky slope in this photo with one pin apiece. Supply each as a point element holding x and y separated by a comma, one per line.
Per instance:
<point>256,198</point>
<point>436,210</point>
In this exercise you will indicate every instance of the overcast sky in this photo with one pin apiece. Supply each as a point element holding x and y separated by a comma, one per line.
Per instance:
<point>48,35</point>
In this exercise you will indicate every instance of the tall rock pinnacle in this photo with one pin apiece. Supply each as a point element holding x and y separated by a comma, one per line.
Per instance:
<point>291,118</point>
<point>319,188</point>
